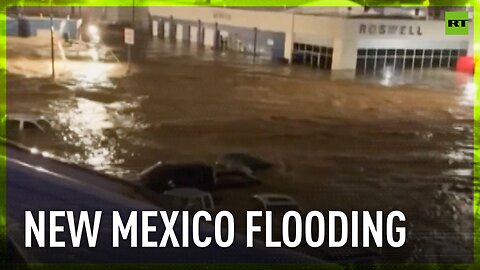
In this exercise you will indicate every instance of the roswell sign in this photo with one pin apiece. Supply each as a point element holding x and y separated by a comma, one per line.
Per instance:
<point>390,29</point>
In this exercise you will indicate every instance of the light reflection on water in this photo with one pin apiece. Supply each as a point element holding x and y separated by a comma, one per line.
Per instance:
<point>86,122</point>
<point>90,76</point>
<point>93,128</point>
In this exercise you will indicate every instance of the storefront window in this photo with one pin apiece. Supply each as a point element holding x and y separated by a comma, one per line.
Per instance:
<point>374,60</point>
<point>313,55</point>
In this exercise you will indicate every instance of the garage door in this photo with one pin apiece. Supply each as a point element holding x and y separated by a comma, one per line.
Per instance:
<point>166,29</point>
<point>193,34</point>
<point>209,39</point>
<point>179,32</point>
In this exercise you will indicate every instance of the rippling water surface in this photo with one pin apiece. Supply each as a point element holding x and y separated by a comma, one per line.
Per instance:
<point>383,142</point>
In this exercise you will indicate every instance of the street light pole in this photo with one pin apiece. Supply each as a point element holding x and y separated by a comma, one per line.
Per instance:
<point>51,40</point>
<point>133,28</point>
<point>133,14</point>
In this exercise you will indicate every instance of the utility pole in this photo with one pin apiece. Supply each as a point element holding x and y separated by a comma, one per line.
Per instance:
<point>51,40</point>
<point>255,30</point>
<point>130,45</point>
<point>133,14</point>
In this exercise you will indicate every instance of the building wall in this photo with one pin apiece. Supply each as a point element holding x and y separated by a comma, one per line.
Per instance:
<point>236,37</point>
<point>12,27</point>
<point>315,29</point>
<point>424,34</point>
<point>405,44</point>
<point>273,21</point>
<point>109,15</point>
<point>269,24</point>
<point>344,34</point>
<point>347,35</point>
<point>29,26</point>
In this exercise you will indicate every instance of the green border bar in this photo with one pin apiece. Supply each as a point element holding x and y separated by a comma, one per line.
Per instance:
<point>251,3</point>
<point>240,3</point>
<point>476,135</point>
<point>3,109</point>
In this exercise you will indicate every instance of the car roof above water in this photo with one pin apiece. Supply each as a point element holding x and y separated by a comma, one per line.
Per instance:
<point>187,192</point>
<point>24,117</point>
<point>275,199</point>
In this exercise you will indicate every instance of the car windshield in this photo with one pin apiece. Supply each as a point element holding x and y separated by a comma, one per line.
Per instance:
<point>31,126</point>
<point>208,203</point>
<point>279,209</point>
<point>43,124</point>
<point>279,200</point>
<point>13,124</point>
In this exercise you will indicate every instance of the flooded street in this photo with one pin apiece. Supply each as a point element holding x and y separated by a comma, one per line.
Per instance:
<point>389,142</point>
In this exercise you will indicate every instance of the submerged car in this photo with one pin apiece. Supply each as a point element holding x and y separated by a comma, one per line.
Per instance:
<point>242,160</point>
<point>238,169</point>
<point>192,199</point>
<point>277,203</point>
<point>18,124</point>
<point>165,176</point>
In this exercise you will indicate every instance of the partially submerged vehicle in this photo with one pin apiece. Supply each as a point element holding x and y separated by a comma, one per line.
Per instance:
<point>240,176</point>
<point>236,169</point>
<point>20,126</point>
<point>242,160</point>
<point>231,170</point>
<point>191,198</point>
<point>24,122</point>
<point>164,176</point>
<point>277,203</point>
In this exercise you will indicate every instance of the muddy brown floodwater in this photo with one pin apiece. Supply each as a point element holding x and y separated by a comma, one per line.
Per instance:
<point>387,142</point>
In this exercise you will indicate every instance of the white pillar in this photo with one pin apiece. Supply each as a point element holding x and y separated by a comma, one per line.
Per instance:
<point>194,34</point>
<point>166,29</point>
<point>471,45</point>
<point>155,28</point>
<point>288,46</point>
<point>345,47</point>
<point>179,32</point>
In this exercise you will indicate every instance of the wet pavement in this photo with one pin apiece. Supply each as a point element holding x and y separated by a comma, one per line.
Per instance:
<point>390,141</point>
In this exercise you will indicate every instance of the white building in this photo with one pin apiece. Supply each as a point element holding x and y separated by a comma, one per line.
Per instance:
<point>338,38</point>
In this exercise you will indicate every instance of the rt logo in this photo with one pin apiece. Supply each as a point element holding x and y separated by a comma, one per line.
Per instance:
<point>456,23</point>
